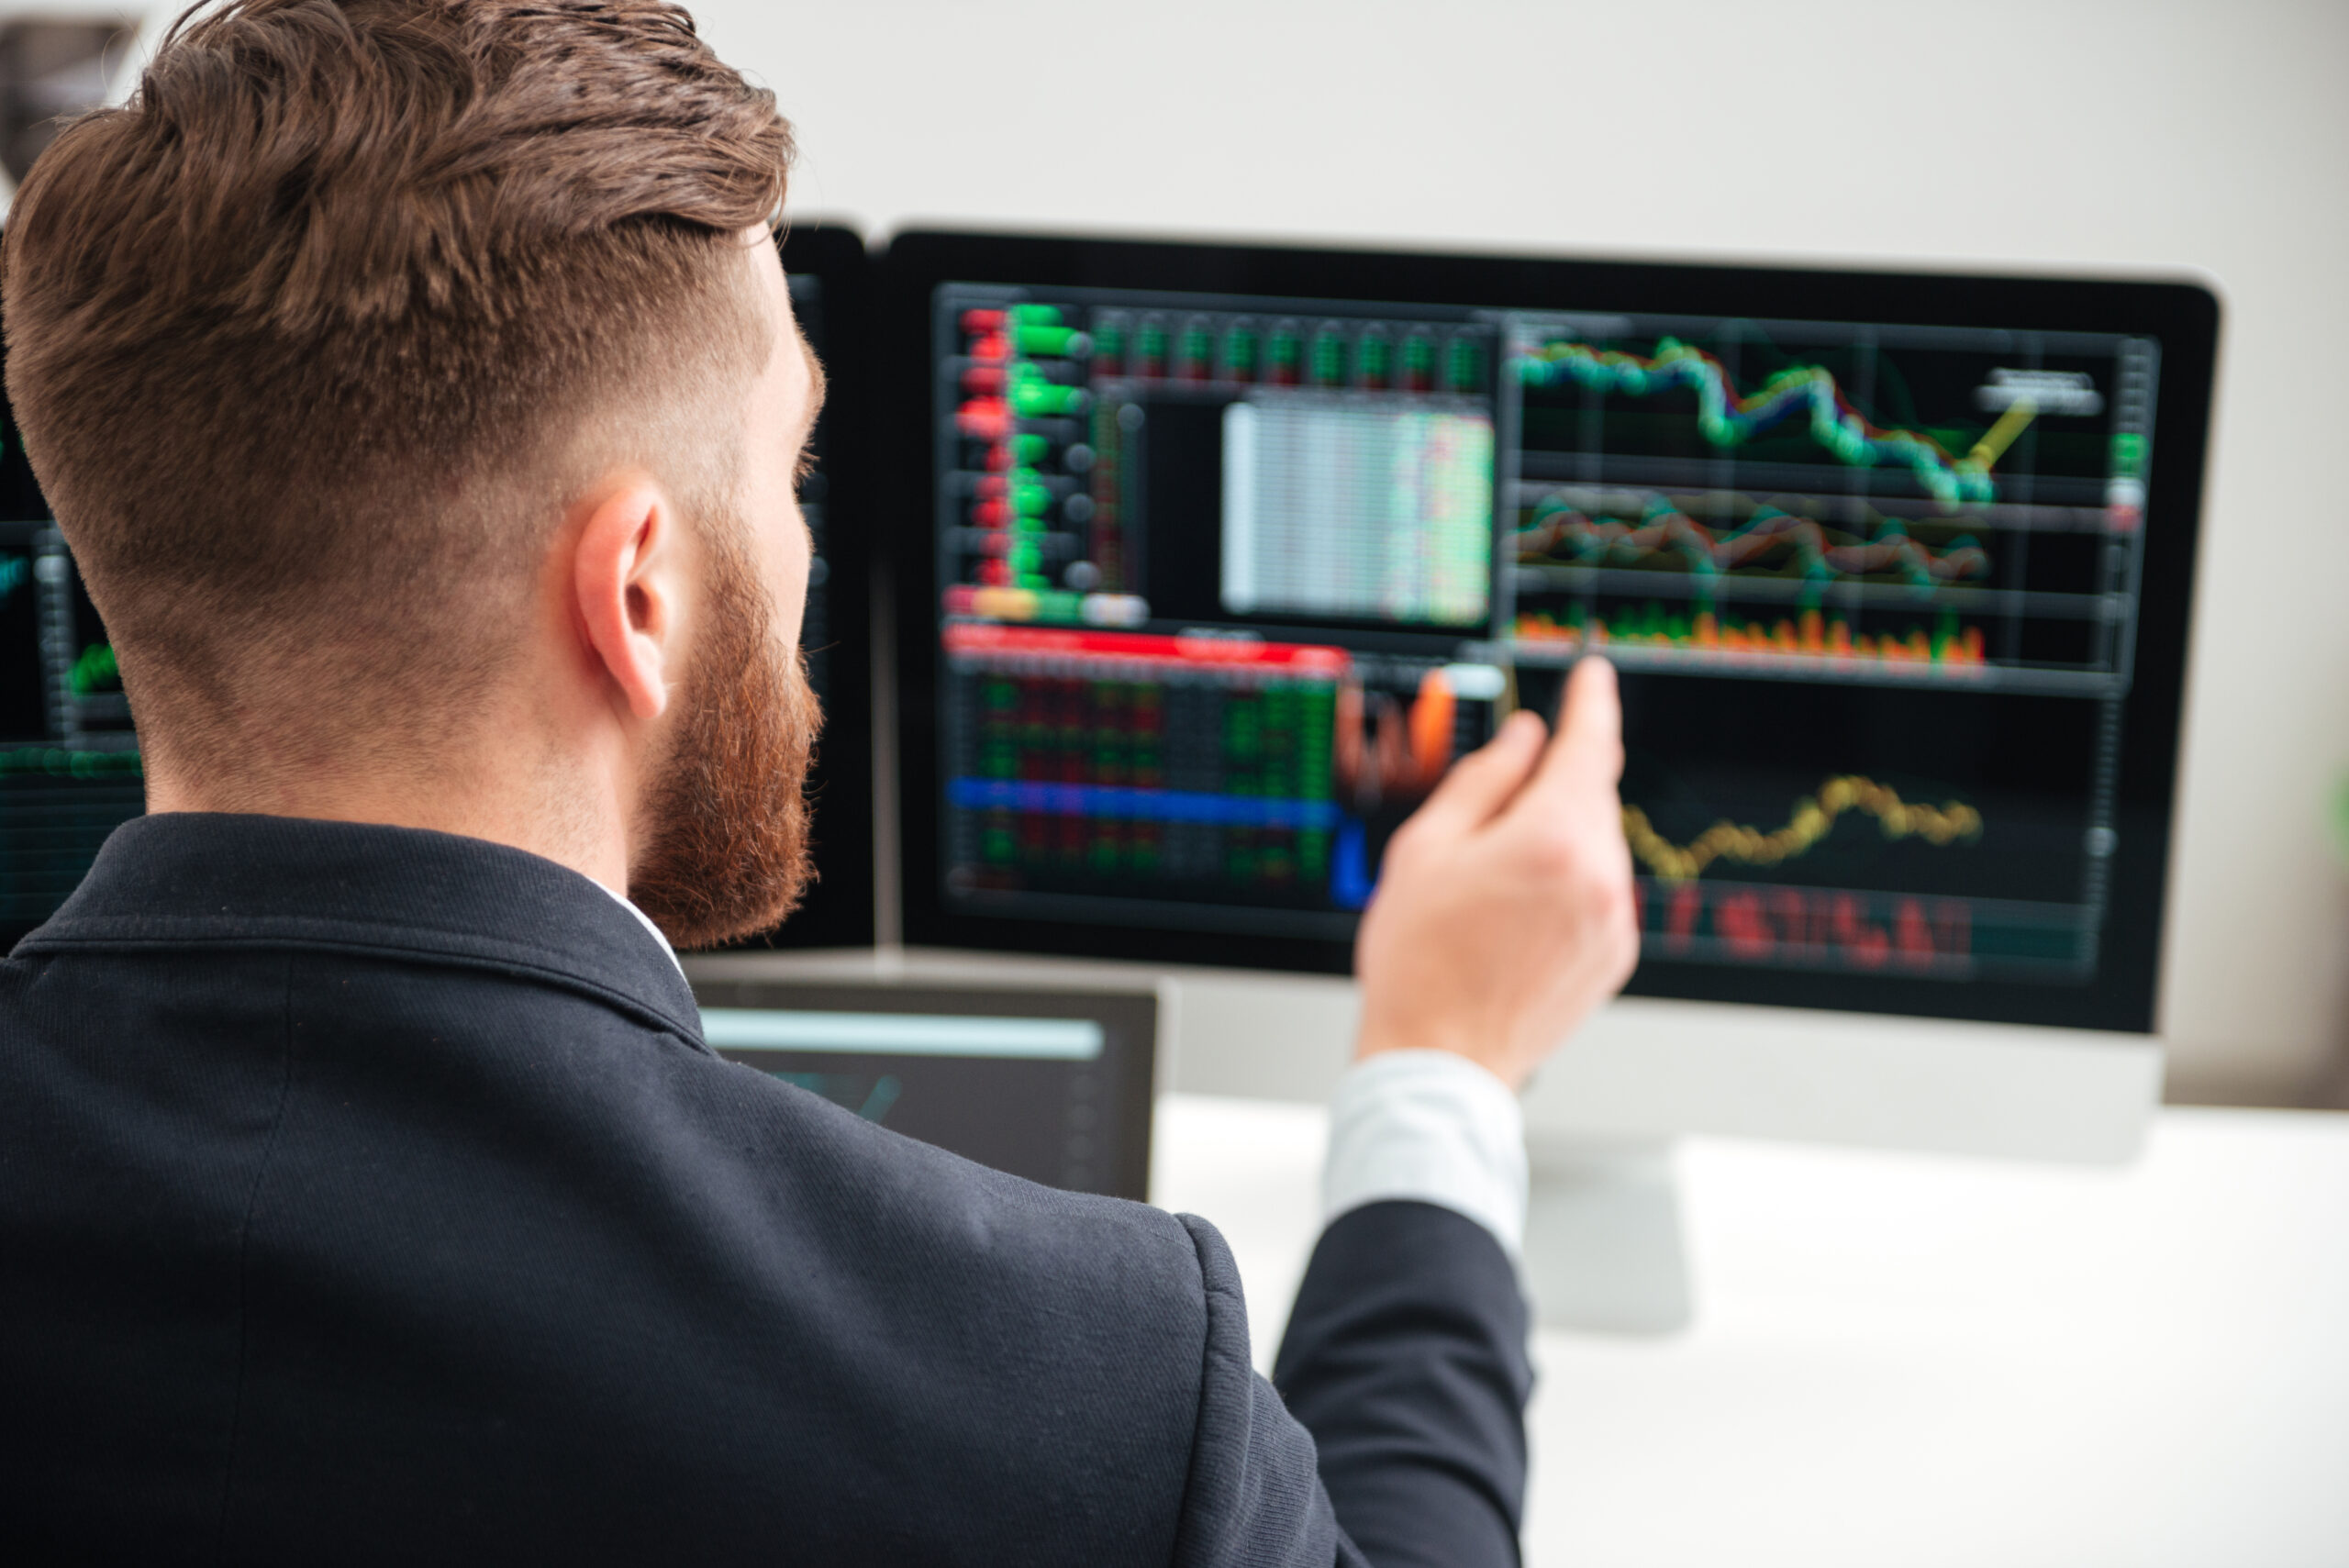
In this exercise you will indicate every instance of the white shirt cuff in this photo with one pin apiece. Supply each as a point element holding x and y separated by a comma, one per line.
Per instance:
<point>1429,1125</point>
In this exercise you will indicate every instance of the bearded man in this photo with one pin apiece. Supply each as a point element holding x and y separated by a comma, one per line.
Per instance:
<point>417,386</point>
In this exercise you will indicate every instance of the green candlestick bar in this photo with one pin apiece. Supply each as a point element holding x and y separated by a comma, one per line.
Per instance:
<point>1329,359</point>
<point>55,761</point>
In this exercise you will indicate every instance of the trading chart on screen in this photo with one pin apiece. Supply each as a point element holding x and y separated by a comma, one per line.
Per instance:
<point>69,770</point>
<point>1218,583</point>
<point>1226,583</point>
<point>1892,574</point>
<point>68,761</point>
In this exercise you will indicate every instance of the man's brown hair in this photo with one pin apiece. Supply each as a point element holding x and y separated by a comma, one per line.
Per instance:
<point>303,339</point>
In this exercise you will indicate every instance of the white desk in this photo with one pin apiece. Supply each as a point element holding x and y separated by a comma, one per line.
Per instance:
<point>1918,1361</point>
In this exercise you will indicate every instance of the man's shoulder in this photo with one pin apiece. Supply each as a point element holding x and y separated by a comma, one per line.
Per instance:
<point>762,1163</point>
<point>374,1048</point>
<point>862,1182</point>
<point>576,1241</point>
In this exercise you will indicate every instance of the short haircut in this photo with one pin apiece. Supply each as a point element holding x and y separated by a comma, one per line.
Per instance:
<point>306,340</point>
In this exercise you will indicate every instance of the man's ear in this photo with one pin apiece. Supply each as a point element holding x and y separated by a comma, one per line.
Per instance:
<point>626,580</point>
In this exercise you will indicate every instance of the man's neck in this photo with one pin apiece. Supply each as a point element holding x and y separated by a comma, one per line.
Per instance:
<point>557,818</point>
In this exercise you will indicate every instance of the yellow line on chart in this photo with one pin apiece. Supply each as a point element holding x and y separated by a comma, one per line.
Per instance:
<point>2000,436</point>
<point>1813,817</point>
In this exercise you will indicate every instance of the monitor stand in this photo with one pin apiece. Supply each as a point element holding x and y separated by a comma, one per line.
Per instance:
<point>1604,1253</point>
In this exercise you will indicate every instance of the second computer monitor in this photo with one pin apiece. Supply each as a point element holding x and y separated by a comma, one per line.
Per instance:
<point>826,271</point>
<point>1222,554</point>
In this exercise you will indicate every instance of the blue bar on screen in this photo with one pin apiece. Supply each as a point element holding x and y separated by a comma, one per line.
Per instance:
<point>1140,804</point>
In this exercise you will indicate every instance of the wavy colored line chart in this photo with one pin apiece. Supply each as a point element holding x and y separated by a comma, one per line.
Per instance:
<point>1816,554</point>
<point>1884,504</point>
<point>1727,419</point>
<point>1813,817</point>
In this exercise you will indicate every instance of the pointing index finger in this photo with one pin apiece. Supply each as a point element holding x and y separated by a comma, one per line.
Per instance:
<point>1482,784</point>
<point>1588,750</point>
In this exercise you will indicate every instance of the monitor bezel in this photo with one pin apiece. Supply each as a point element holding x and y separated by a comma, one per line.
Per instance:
<point>2183,313</point>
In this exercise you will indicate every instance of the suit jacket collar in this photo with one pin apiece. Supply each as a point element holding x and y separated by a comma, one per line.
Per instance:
<point>201,879</point>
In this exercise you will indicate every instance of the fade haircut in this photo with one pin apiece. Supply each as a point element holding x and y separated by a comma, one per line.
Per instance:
<point>312,341</point>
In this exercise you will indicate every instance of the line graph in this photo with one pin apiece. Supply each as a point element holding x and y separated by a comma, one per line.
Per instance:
<point>1813,817</point>
<point>1726,418</point>
<point>1816,552</point>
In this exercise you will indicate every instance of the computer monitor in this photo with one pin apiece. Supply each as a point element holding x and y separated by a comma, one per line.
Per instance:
<point>1212,557</point>
<point>69,762</point>
<point>826,271</point>
<point>1053,1086</point>
<point>1221,554</point>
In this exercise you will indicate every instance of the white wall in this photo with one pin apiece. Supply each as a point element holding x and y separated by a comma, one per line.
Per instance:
<point>2047,136</point>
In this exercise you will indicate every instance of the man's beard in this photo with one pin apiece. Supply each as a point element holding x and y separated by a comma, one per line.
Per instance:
<point>727,810</point>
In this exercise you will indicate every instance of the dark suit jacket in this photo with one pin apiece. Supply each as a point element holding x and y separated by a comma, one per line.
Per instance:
<point>370,1195</point>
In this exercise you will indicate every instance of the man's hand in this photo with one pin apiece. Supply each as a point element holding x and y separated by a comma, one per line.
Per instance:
<point>1503,916</point>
